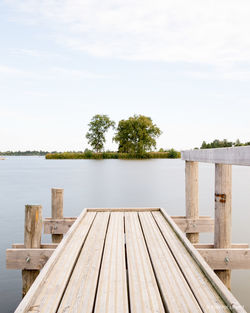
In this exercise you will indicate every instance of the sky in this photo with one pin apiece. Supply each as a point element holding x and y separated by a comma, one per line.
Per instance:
<point>185,64</point>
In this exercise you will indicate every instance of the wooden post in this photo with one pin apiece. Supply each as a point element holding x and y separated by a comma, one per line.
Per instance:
<point>57,209</point>
<point>32,239</point>
<point>192,195</point>
<point>223,214</point>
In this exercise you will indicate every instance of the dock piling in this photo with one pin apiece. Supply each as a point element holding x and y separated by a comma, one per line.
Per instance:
<point>223,214</point>
<point>32,239</point>
<point>57,210</point>
<point>192,196</point>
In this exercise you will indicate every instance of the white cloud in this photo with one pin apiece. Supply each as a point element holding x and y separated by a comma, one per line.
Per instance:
<point>51,73</point>
<point>196,31</point>
<point>220,74</point>
<point>34,53</point>
<point>11,70</point>
<point>65,73</point>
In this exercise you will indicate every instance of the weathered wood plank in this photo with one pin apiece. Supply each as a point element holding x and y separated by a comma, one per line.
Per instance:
<point>42,246</point>
<point>47,289</point>
<point>80,293</point>
<point>230,301</point>
<point>112,288</point>
<point>143,290</point>
<point>192,195</point>
<point>28,259</point>
<point>72,219</point>
<point>211,245</point>
<point>171,281</point>
<point>223,214</point>
<point>226,259</point>
<point>199,284</point>
<point>58,226</point>
<point>32,239</point>
<point>201,225</point>
<point>57,209</point>
<point>122,209</point>
<point>234,156</point>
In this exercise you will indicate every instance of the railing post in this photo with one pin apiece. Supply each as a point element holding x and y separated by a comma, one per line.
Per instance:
<point>32,239</point>
<point>57,209</point>
<point>223,214</point>
<point>192,195</point>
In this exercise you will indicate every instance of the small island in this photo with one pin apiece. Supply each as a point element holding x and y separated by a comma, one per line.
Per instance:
<point>136,137</point>
<point>88,154</point>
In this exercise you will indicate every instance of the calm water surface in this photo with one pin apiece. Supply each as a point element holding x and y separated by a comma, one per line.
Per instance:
<point>108,183</point>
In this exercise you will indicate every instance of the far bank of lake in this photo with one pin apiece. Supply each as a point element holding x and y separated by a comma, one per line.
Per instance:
<point>170,154</point>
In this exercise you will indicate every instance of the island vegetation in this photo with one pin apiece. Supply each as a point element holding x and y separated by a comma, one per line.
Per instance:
<point>170,154</point>
<point>98,127</point>
<point>135,136</point>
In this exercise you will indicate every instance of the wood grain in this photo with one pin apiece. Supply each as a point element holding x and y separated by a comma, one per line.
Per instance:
<point>46,292</point>
<point>172,283</point>
<point>32,239</point>
<point>228,298</point>
<point>203,291</point>
<point>81,289</point>
<point>143,290</point>
<point>57,210</point>
<point>223,214</point>
<point>112,293</point>
<point>192,196</point>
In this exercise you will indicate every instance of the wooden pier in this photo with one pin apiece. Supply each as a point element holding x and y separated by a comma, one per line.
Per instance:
<point>133,260</point>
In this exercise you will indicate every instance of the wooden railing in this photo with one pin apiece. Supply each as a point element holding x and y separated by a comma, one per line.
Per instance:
<point>224,256</point>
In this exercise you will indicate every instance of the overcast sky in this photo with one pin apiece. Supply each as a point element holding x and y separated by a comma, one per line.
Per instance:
<point>186,64</point>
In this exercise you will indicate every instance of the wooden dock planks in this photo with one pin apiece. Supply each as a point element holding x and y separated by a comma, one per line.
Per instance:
<point>112,295</point>
<point>176,293</point>
<point>46,292</point>
<point>143,290</point>
<point>207,297</point>
<point>80,293</point>
<point>125,261</point>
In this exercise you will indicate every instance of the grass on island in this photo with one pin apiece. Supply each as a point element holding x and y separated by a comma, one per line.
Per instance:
<point>170,154</point>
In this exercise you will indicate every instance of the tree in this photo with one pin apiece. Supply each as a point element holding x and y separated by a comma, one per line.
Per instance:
<point>173,154</point>
<point>136,135</point>
<point>98,126</point>
<point>216,144</point>
<point>204,145</point>
<point>238,143</point>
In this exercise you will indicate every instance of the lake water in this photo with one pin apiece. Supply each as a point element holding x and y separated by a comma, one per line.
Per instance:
<point>109,183</point>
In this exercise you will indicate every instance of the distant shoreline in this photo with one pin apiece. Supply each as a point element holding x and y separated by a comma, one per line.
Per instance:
<point>171,154</point>
<point>24,153</point>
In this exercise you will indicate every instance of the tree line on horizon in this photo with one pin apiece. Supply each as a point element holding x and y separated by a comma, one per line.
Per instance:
<point>25,153</point>
<point>223,144</point>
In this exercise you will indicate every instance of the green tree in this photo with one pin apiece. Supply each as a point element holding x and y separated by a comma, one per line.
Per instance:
<point>98,126</point>
<point>136,135</point>
<point>173,154</point>
<point>204,145</point>
<point>216,144</point>
<point>238,143</point>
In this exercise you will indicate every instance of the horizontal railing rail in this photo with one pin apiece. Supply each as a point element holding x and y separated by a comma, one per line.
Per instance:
<point>233,156</point>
